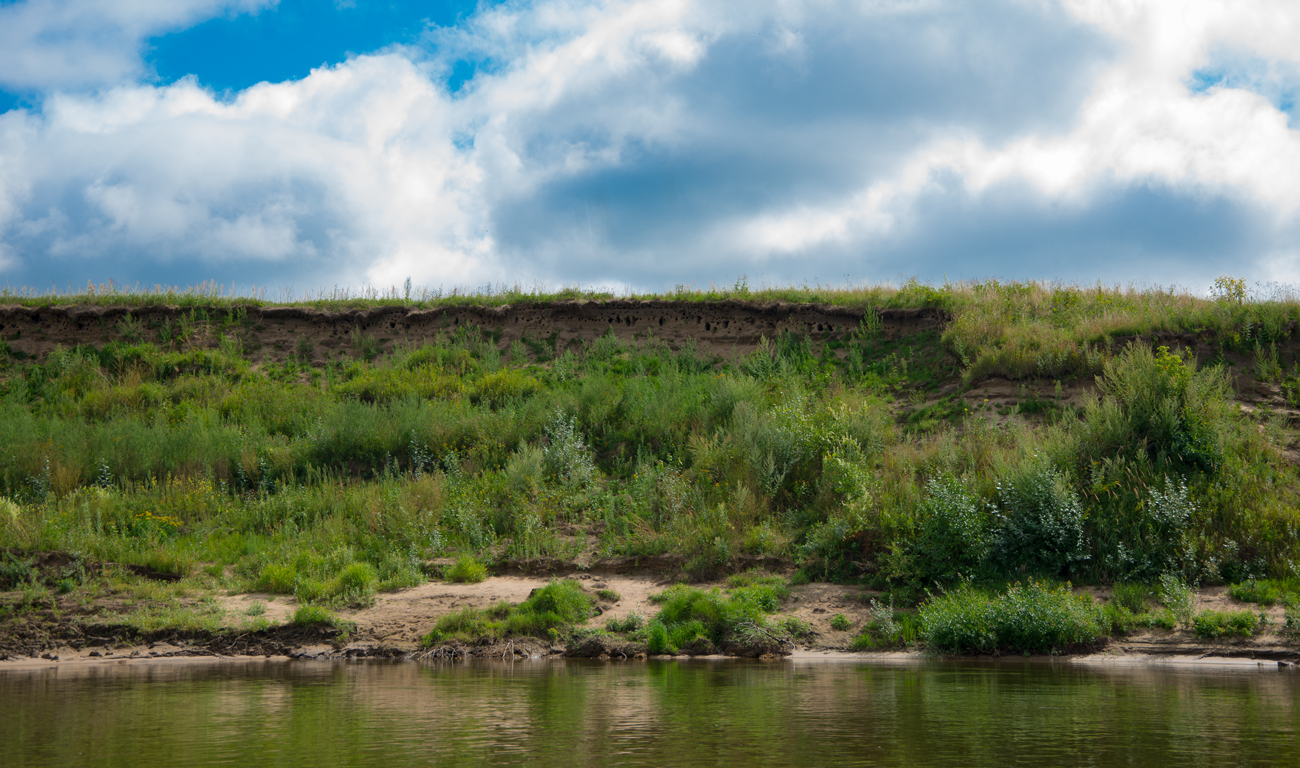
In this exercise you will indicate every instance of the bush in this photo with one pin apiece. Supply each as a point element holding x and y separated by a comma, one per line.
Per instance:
<point>1177,597</point>
<point>954,538</point>
<point>840,623</point>
<point>567,458</point>
<point>277,578</point>
<point>1032,618</point>
<point>465,570</point>
<point>548,610</point>
<point>735,619</point>
<point>1159,406</point>
<point>630,623</point>
<point>1040,523</point>
<point>1225,623</point>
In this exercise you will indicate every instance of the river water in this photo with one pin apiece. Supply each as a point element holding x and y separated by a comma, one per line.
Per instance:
<point>684,713</point>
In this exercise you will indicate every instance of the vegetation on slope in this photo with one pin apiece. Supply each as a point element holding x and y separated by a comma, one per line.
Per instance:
<point>860,460</point>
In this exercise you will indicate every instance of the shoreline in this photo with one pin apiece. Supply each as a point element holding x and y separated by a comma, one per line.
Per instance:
<point>392,628</point>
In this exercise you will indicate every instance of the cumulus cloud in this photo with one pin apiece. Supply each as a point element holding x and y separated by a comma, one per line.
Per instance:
<point>77,43</point>
<point>653,142</point>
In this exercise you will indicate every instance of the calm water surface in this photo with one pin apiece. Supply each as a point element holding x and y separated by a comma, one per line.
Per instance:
<point>699,713</point>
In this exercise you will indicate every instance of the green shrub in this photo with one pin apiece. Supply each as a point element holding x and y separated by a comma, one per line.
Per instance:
<point>465,570</point>
<point>356,583</point>
<point>1178,598</point>
<point>1040,523</point>
<point>1225,623</point>
<point>1159,406</point>
<point>1029,618</point>
<point>630,623</point>
<point>954,537</point>
<point>657,639</point>
<point>386,385</point>
<point>840,623</point>
<point>548,610</point>
<point>565,600</point>
<point>608,595</point>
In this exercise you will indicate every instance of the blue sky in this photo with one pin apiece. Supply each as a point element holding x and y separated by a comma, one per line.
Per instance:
<point>647,143</point>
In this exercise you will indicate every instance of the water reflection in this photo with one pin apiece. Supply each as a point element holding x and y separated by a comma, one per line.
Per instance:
<point>662,714</point>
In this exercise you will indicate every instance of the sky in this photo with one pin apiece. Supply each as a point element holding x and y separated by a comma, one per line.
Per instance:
<point>645,144</point>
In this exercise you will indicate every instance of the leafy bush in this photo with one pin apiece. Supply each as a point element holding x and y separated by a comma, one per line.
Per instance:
<point>314,614</point>
<point>1032,618</point>
<point>955,536</point>
<point>840,623</point>
<point>630,623</point>
<point>1160,406</point>
<point>1177,597</point>
<point>735,619</point>
<point>567,458</point>
<point>385,385</point>
<point>1225,623</point>
<point>1040,523</point>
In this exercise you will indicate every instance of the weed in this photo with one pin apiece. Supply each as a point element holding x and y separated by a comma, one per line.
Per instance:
<point>1131,597</point>
<point>630,623</point>
<point>1031,618</point>
<point>465,570</point>
<point>1261,591</point>
<point>1178,598</point>
<point>840,623</point>
<point>1225,623</point>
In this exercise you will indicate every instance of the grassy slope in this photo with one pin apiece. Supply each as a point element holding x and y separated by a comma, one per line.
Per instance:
<point>859,460</point>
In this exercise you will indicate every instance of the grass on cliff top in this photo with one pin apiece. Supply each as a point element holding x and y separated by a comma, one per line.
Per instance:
<point>1044,330</point>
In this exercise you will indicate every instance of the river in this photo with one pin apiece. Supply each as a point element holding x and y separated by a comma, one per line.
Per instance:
<point>674,713</point>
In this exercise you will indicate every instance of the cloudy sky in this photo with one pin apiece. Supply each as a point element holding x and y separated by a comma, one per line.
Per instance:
<point>647,143</point>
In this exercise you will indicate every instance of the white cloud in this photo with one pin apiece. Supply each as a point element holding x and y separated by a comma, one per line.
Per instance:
<point>1140,125</point>
<point>75,43</point>
<point>645,141</point>
<point>354,163</point>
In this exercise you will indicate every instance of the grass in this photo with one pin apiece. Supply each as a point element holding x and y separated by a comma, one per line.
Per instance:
<point>466,570</point>
<point>853,455</point>
<point>549,613</point>
<point>1030,618</point>
<point>1266,592</point>
<point>1214,624</point>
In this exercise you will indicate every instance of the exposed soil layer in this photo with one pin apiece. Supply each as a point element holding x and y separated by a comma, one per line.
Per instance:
<point>723,328</point>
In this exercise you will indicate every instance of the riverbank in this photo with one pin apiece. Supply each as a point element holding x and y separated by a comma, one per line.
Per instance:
<point>222,471</point>
<point>259,625</point>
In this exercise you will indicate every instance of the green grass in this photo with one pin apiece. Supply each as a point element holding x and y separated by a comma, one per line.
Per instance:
<point>1266,592</point>
<point>549,613</point>
<point>1031,618</point>
<point>465,570</point>
<point>1213,624</point>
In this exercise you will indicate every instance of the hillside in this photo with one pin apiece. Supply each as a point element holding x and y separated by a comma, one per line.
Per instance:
<point>909,440</point>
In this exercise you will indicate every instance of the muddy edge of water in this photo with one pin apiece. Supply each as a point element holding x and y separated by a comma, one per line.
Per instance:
<point>68,631</point>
